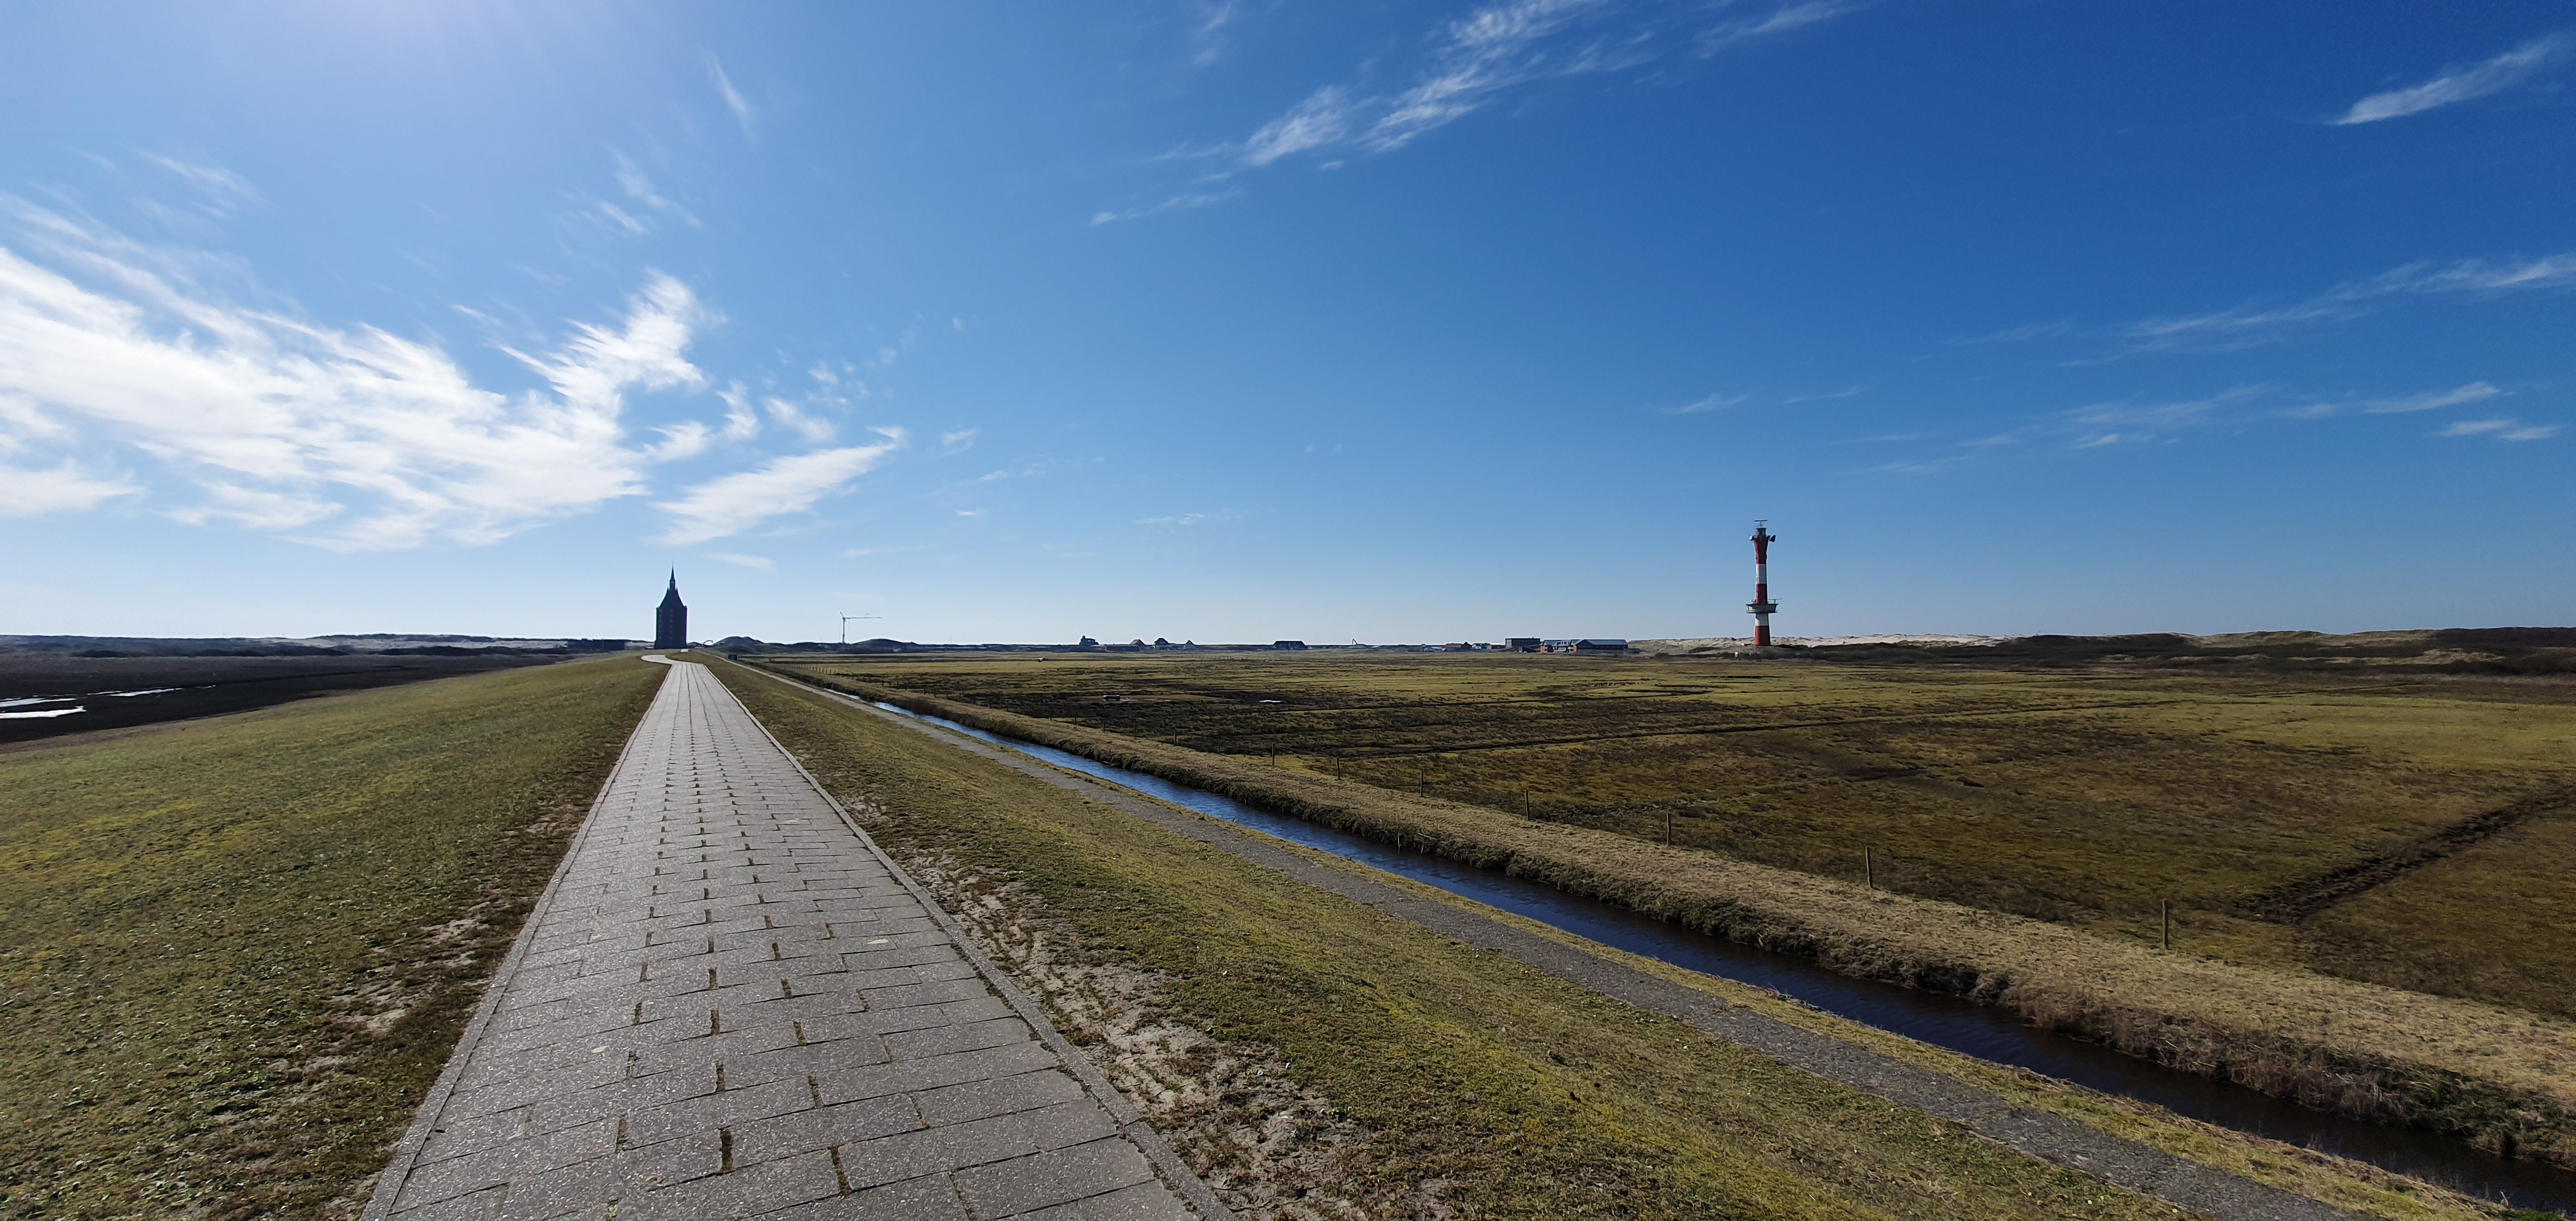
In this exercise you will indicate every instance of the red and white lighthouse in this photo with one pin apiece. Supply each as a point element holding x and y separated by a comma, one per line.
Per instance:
<point>1762,605</point>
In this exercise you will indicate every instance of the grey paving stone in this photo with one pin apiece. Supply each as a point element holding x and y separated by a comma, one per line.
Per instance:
<point>1059,1176</point>
<point>997,1096</point>
<point>592,1073</point>
<point>929,1198</point>
<point>1138,1203</point>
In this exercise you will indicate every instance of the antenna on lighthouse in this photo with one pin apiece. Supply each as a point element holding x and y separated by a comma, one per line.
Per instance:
<point>1762,605</point>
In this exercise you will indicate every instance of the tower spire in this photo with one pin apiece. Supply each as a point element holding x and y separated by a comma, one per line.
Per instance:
<point>671,619</point>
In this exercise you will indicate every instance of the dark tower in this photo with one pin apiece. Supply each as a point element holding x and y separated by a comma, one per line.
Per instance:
<point>671,621</point>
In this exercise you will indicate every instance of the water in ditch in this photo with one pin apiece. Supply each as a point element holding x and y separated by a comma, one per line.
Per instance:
<point>1944,1021</point>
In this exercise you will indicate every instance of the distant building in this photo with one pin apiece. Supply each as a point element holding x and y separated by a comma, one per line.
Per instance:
<point>1596,646</point>
<point>1522,644</point>
<point>671,621</point>
<point>1289,646</point>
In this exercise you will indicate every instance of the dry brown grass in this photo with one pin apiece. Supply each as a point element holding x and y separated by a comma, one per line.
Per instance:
<point>2502,1078</point>
<point>238,950</point>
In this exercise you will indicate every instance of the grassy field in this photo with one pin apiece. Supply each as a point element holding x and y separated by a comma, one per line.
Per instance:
<point>238,950</point>
<point>1521,1095</point>
<point>2307,820</point>
<point>2502,1077</point>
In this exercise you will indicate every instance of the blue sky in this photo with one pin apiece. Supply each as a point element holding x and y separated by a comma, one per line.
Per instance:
<point>1233,321</point>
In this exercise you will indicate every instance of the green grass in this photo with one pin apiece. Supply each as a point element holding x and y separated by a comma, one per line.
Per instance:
<point>1531,1097</point>
<point>239,950</point>
<point>2088,798</point>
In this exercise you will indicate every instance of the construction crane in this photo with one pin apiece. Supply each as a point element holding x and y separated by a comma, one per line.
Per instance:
<point>845,625</point>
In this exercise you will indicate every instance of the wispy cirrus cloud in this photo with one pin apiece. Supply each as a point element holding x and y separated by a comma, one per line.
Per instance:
<point>759,563</point>
<point>1325,118</point>
<point>2462,84</point>
<point>220,191</point>
<point>2504,428</point>
<point>2433,400</point>
<point>1467,65</point>
<point>2024,333</point>
<point>1713,402</point>
<point>2256,324</point>
<point>639,188</point>
<point>734,503</point>
<point>2130,423</point>
<point>1781,21</point>
<point>364,439</point>
<point>1177,203</point>
<point>733,99</point>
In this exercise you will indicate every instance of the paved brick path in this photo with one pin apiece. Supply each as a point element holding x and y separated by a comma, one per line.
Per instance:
<point>729,1005</point>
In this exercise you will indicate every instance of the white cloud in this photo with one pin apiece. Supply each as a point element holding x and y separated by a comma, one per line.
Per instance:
<point>741,422</point>
<point>813,428</point>
<point>1486,51</point>
<point>763,563</point>
<point>2460,84</point>
<point>2503,429</point>
<point>733,98</point>
<point>1177,203</point>
<point>960,441</point>
<point>279,419</point>
<point>2024,333</point>
<point>686,439</point>
<point>1208,39</point>
<point>2474,392</point>
<point>734,503</point>
<point>2252,325</point>
<point>1476,58</point>
<point>1714,402</point>
<point>632,180</point>
<point>256,508</point>
<point>1787,18</point>
<point>2104,423</point>
<point>60,489</point>
<point>223,191</point>
<point>1323,118</point>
